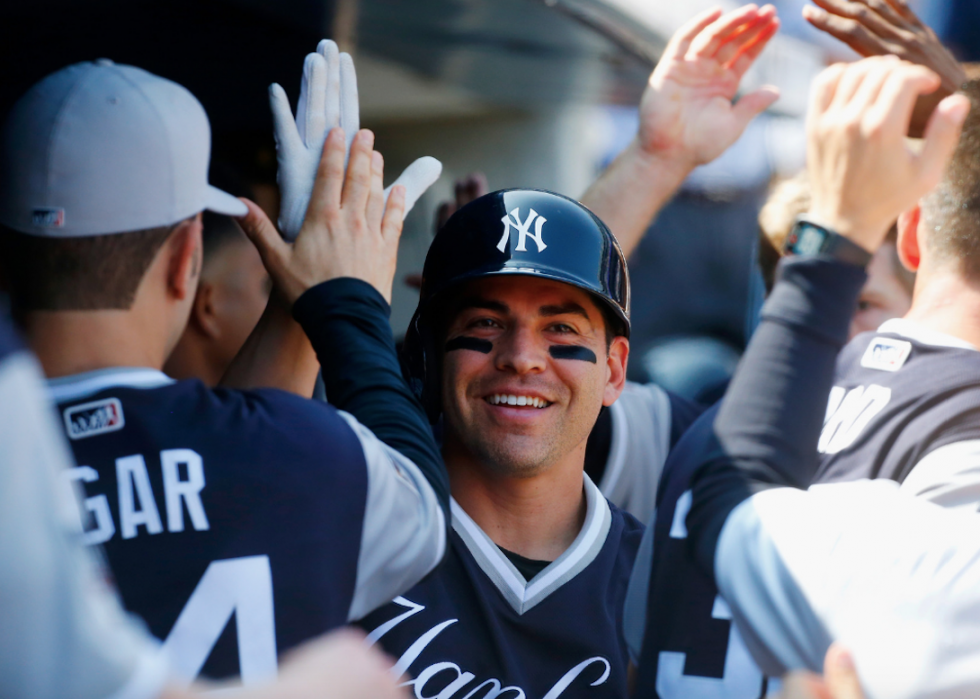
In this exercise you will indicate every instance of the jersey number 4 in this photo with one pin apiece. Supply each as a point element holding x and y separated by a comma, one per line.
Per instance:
<point>239,586</point>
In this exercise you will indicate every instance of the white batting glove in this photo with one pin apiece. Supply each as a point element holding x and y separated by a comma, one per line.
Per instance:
<point>328,98</point>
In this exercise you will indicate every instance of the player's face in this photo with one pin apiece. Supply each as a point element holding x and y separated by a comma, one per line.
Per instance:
<point>525,373</point>
<point>884,296</point>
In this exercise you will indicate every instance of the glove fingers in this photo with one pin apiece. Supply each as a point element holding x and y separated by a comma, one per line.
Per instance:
<point>417,178</point>
<point>350,110</point>
<point>331,54</point>
<point>284,128</point>
<point>312,120</point>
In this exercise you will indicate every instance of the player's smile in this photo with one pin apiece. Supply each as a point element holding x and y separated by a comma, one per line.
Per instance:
<point>522,379</point>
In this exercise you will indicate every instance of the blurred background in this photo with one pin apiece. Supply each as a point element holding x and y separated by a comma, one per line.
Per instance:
<point>533,93</point>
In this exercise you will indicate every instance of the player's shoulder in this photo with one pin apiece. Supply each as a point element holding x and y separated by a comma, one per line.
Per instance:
<point>649,404</point>
<point>145,408</point>
<point>900,349</point>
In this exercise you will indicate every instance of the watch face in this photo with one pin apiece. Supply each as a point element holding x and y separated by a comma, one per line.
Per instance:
<point>809,240</point>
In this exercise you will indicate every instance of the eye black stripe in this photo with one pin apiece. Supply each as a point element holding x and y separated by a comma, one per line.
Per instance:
<point>573,352</point>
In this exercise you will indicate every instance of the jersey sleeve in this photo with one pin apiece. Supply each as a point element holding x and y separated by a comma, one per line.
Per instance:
<point>346,321</point>
<point>641,421</point>
<point>404,532</point>
<point>890,576</point>
<point>63,633</point>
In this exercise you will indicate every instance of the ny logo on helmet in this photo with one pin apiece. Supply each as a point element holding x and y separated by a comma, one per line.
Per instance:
<point>524,229</point>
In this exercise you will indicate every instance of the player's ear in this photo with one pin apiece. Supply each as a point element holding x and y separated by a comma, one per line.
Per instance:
<point>616,358</point>
<point>907,243</point>
<point>203,314</point>
<point>186,257</point>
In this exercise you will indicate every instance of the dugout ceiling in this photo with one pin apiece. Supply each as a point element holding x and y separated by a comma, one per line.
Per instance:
<point>516,53</point>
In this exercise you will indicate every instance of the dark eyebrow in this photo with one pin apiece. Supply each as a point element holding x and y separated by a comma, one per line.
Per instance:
<point>564,309</point>
<point>485,304</point>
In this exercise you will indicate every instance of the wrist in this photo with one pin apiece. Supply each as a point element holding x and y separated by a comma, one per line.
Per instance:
<point>809,237</point>
<point>661,165</point>
<point>864,233</point>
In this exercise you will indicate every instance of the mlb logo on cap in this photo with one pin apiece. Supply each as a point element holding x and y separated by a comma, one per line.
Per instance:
<point>102,148</point>
<point>49,218</point>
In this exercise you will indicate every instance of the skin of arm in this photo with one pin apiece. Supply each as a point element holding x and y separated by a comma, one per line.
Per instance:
<point>687,116</point>
<point>889,27</point>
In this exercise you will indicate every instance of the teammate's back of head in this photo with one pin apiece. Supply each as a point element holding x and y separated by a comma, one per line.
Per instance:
<point>951,212</point>
<point>99,165</point>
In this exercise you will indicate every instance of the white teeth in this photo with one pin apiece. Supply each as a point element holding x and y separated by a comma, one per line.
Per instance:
<point>508,399</point>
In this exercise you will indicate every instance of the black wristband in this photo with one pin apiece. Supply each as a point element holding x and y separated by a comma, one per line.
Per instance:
<point>809,238</point>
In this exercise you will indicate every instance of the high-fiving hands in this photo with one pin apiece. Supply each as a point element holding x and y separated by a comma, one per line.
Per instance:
<point>862,172</point>
<point>889,27</point>
<point>328,99</point>
<point>349,229</point>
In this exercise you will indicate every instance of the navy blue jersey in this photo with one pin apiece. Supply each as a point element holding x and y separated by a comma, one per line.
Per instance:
<point>902,395</point>
<point>477,628</point>
<point>679,628</point>
<point>210,503</point>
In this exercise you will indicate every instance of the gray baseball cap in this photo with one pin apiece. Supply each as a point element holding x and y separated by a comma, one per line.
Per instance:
<point>101,148</point>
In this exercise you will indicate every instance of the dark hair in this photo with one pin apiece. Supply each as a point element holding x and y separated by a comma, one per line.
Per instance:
<point>951,212</point>
<point>218,229</point>
<point>77,274</point>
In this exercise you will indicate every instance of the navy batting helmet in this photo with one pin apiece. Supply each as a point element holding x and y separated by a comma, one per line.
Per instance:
<point>526,232</point>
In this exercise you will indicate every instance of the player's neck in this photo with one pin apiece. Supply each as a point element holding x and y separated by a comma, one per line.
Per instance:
<point>946,302</point>
<point>537,517</point>
<point>72,342</point>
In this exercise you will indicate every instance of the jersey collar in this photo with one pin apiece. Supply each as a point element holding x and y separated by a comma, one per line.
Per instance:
<point>76,386</point>
<point>519,593</point>
<point>922,335</point>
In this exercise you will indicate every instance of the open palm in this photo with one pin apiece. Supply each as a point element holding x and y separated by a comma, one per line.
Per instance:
<point>687,111</point>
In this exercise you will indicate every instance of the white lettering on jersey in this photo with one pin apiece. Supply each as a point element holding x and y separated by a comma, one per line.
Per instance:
<point>523,230</point>
<point>98,507</point>
<point>133,483</point>
<point>239,586</point>
<point>848,413</point>
<point>462,679</point>
<point>742,678</point>
<point>189,491</point>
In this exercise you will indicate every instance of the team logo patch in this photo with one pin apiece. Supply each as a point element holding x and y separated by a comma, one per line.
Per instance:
<point>48,218</point>
<point>523,229</point>
<point>90,419</point>
<point>886,354</point>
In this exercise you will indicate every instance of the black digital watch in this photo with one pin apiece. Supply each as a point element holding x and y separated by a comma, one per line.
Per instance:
<point>809,238</point>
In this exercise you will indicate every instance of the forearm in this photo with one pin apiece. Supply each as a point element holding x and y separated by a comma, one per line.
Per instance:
<point>277,354</point>
<point>346,321</point>
<point>632,191</point>
<point>770,420</point>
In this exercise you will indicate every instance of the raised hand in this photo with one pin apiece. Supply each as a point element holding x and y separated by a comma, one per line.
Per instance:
<point>889,27</point>
<point>686,117</point>
<point>349,230</point>
<point>862,171</point>
<point>686,113</point>
<point>328,99</point>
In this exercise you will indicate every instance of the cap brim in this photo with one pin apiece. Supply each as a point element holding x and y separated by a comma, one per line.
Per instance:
<point>223,203</point>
